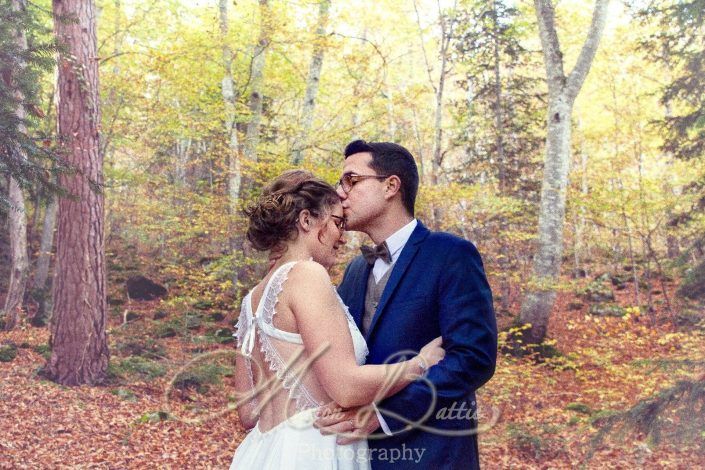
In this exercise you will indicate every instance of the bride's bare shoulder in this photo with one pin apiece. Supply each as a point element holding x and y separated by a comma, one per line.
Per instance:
<point>307,275</point>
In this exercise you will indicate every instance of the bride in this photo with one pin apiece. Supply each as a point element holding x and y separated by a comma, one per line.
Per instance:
<point>300,346</point>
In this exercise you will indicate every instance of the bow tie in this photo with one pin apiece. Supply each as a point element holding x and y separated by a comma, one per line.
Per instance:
<point>380,251</point>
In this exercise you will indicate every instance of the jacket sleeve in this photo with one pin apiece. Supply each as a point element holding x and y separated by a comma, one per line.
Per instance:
<point>468,326</point>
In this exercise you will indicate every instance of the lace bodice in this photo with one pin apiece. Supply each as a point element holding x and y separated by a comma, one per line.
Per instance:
<point>283,350</point>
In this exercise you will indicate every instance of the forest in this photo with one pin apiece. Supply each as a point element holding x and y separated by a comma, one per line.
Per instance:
<point>565,139</point>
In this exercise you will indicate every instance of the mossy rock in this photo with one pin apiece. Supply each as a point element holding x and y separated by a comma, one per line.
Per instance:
<point>124,393</point>
<point>153,417</point>
<point>192,322</point>
<point>203,305</point>
<point>224,335</point>
<point>115,301</point>
<point>581,408</point>
<point>693,286</point>
<point>526,440</point>
<point>167,329</point>
<point>144,347</point>
<point>216,316</point>
<point>43,349</point>
<point>159,315</point>
<point>575,305</point>
<point>598,291</point>
<point>138,366</point>
<point>132,316</point>
<point>606,310</point>
<point>8,352</point>
<point>201,376</point>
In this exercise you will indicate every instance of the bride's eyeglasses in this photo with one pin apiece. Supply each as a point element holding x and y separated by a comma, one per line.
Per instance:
<point>339,222</point>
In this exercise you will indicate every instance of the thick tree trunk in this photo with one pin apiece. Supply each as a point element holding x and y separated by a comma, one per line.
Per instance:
<point>17,216</point>
<point>314,78</point>
<point>79,344</point>
<point>562,91</point>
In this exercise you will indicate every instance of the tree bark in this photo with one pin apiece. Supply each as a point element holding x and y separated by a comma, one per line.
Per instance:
<point>257,81</point>
<point>562,91</point>
<point>252,134</point>
<point>228,91</point>
<point>447,25</point>
<point>17,214</point>
<point>314,78</point>
<point>78,338</point>
<point>45,246</point>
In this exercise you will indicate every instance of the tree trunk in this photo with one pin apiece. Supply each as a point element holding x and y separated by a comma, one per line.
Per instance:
<point>182,149</point>
<point>257,80</point>
<point>78,339</point>
<point>253,126</point>
<point>17,214</point>
<point>235,240</point>
<point>40,293</point>
<point>447,25</point>
<point>228,91</point>
<point>45,246</point>
<point>314,78</point>
<point>562,91</point>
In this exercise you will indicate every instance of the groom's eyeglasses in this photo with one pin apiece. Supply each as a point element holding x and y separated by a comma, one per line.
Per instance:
<point>351,179</point>
<point>339,222</point>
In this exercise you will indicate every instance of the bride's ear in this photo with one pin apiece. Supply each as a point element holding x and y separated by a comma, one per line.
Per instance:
<point>305,220</point>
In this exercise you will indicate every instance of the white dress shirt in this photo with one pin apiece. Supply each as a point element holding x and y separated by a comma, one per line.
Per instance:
<point>395,243</point>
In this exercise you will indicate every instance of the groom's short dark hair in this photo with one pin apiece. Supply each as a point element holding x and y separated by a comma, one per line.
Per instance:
<point>391,159</point>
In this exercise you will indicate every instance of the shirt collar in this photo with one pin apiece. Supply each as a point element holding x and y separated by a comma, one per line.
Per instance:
<point>397,240</point>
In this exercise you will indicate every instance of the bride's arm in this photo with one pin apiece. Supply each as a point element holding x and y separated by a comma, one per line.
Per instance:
<point>246,400</point>
<point>324,329</point>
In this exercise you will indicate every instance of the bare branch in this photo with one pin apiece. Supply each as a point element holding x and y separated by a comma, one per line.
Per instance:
<point>553,57</point>
<point>587,53</point>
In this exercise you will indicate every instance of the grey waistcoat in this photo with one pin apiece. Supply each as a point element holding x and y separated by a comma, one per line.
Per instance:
<point>374,293</point>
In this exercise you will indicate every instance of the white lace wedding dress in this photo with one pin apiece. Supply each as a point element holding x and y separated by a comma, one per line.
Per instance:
<point>284,436</point>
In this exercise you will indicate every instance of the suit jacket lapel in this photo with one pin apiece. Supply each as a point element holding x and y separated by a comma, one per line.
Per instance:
<point>398,270</point>
<point>358,309</point>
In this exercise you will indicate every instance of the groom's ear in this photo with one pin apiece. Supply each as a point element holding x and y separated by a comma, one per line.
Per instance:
<point>393,186</point>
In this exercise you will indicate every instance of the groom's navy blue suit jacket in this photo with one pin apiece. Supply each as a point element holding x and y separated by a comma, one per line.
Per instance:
<point>437,288</point>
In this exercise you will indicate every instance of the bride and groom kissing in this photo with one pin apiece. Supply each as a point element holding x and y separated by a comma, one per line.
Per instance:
<point>353,377</point>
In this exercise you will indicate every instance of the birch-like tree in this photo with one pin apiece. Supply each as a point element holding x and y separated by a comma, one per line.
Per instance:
<point>256,88</point>
<point>17,215</point>
<point>562,92</point>
<point>312,82</point>
<point>229,101</point>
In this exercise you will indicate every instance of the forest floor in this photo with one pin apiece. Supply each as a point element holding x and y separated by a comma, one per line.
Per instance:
<point>537,414</point>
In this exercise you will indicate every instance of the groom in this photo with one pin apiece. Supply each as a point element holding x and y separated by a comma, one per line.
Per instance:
<point>414,286</point>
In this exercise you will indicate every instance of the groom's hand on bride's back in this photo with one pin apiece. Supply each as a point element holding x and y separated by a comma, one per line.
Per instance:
<point>350,425</point>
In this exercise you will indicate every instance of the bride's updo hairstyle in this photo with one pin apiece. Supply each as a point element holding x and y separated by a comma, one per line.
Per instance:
<point>273,217</point>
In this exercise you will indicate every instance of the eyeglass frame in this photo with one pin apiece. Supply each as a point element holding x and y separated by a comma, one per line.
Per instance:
<point>359,178</point>
<point>343,222</point>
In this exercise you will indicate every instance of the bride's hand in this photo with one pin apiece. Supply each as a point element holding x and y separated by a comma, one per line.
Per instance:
<point>432,353</point>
